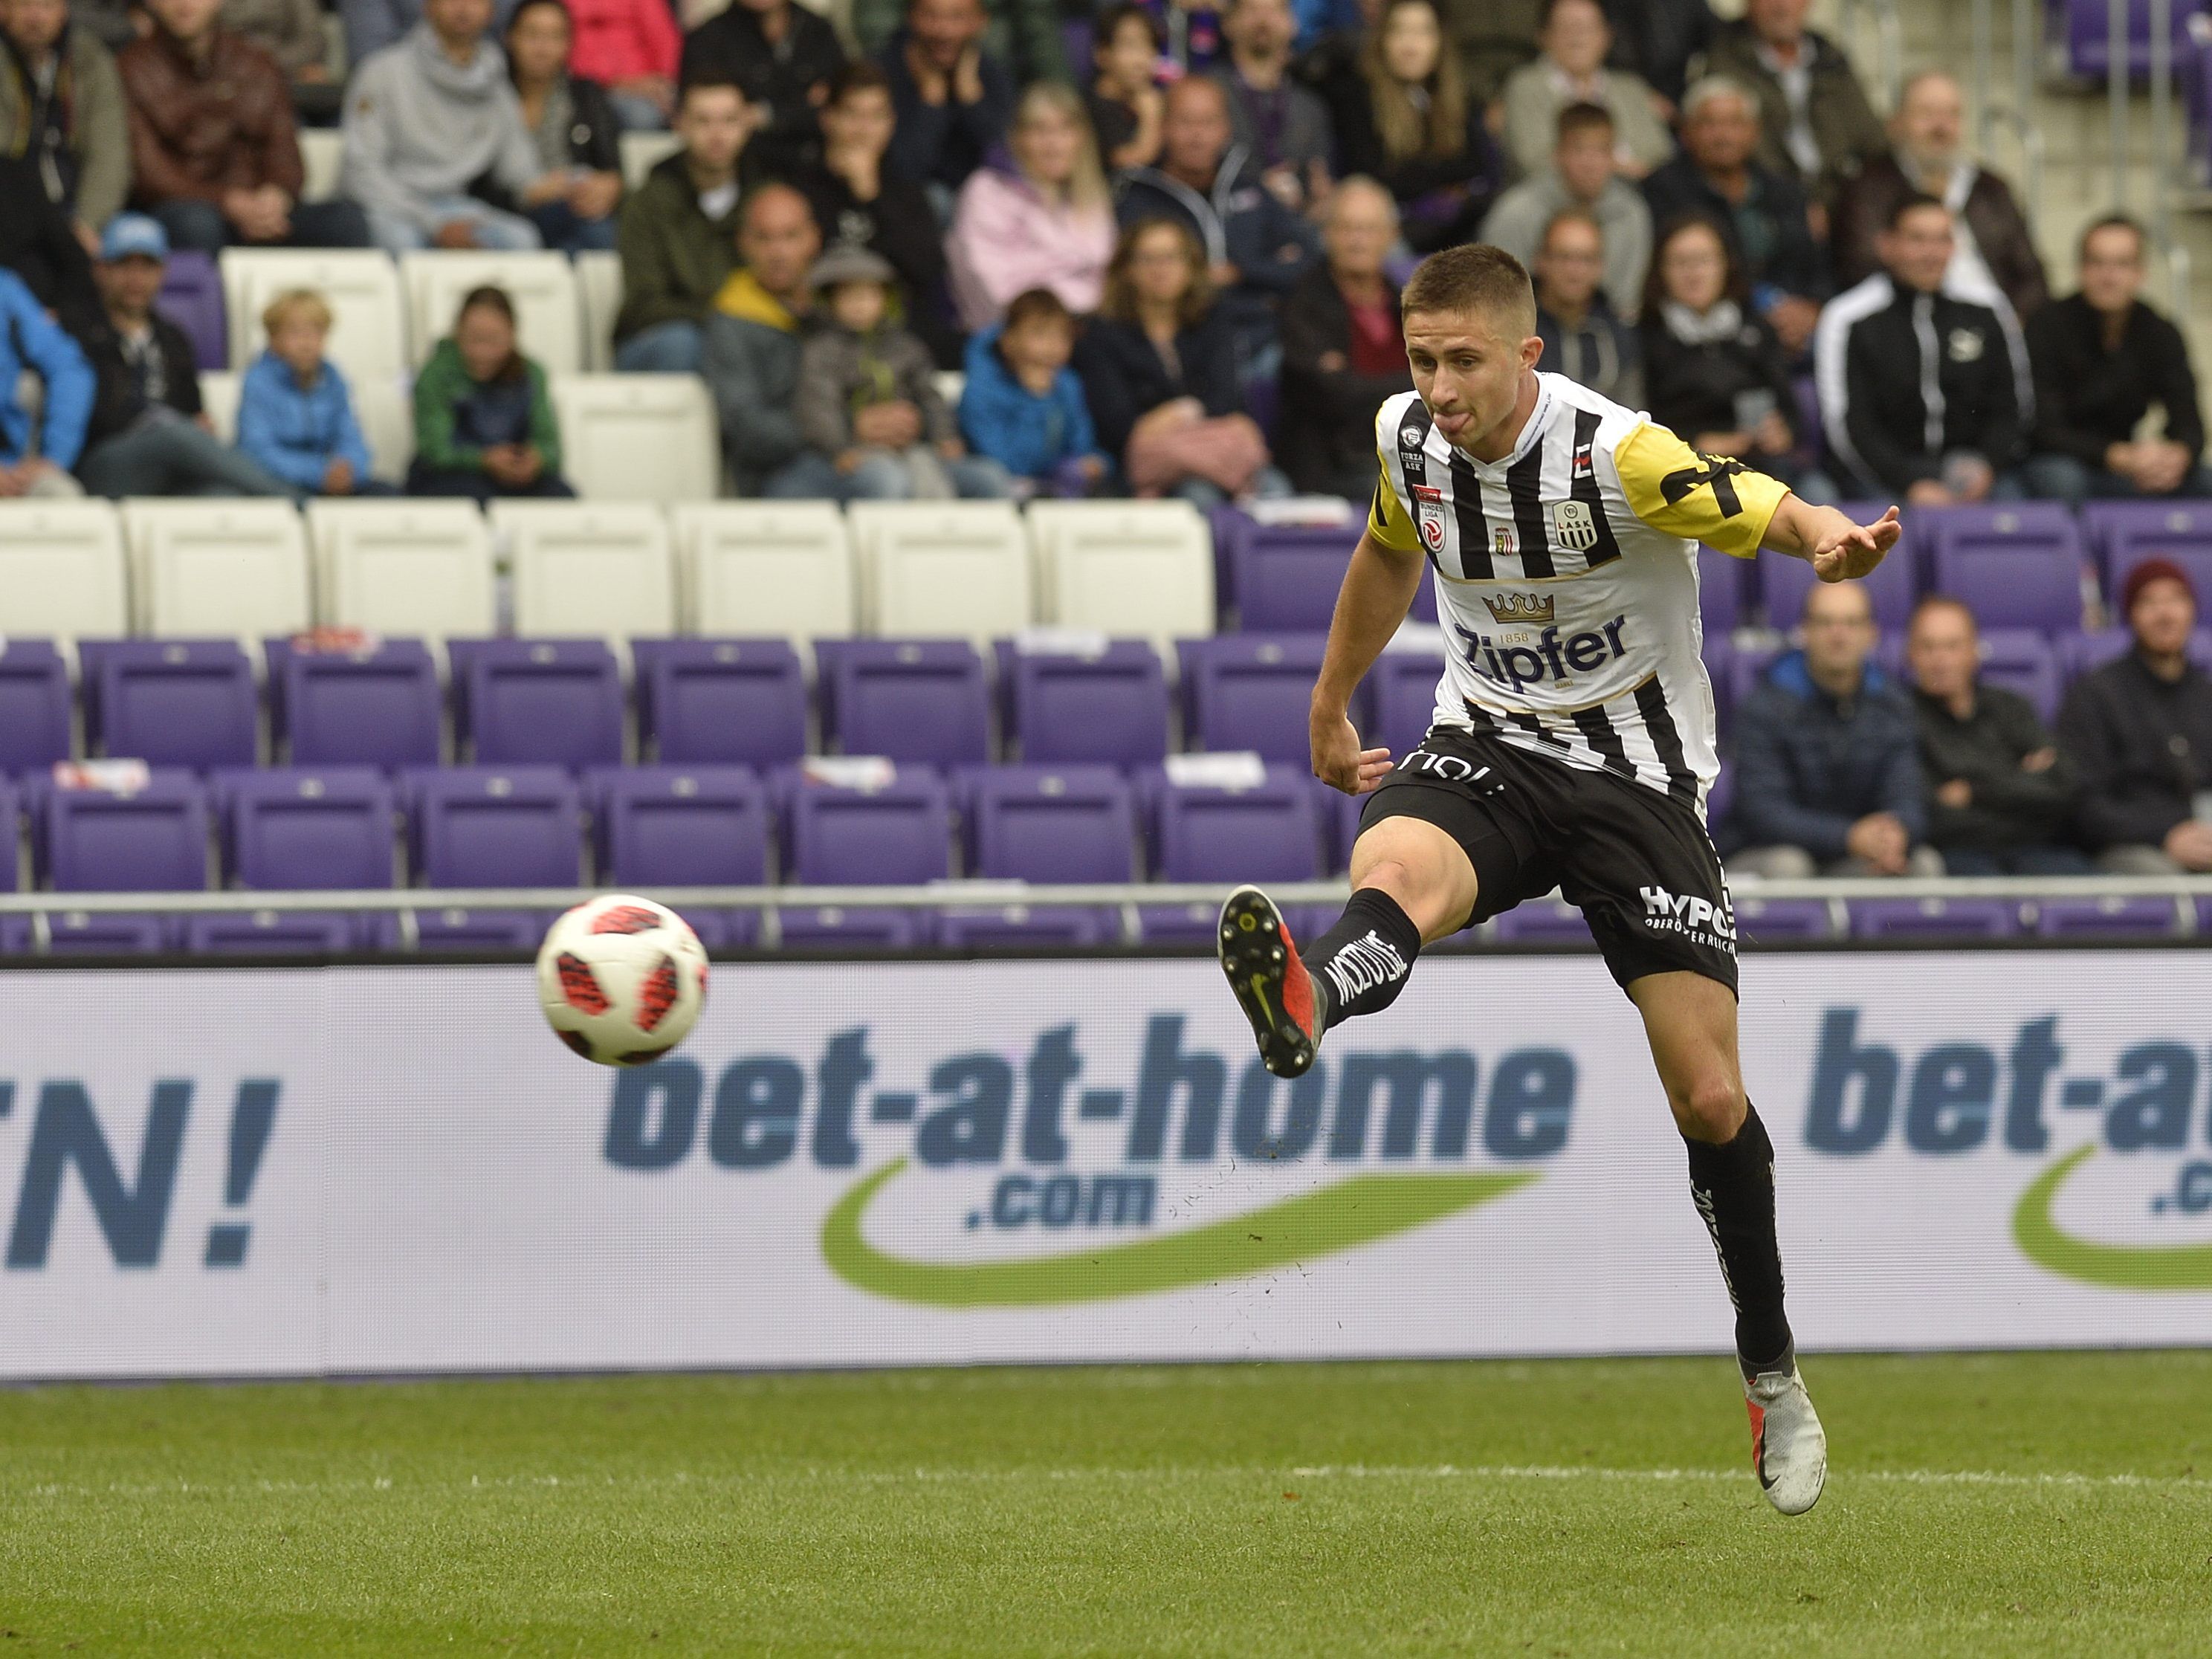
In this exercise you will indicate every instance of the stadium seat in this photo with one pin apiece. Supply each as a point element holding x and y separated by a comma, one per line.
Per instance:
<point>87,933</point>
<point>1285,577</point>
<point>2108,917</point>
<point>322,159</point>
<point>1551,921</point>
<point>1724,591</point>
<point>1892,590</point>
<point>720,702</point>
<point>1963,919</point>
<point>153,840</point>
<point>182,703</point>
<point>191,298</point>
<point>1269,832</point>
<point>62,571</point>
<point>496,826</point>
<point>11,838</point>
<point>418,569</point>
<point>2079,33</point>
<point>1401,700</point>
<point>220,391</point>
<point>2022,661</point>
<point>638,437</point>
<point>1770,920</point>
<point>1043,824</point>
<point>685,826</point>
<point>543,701</point>
<point>1069,707</point>
<point>942,569</point>
<point>384,405</point>
<point>35,718</point>
<point>1251,691</point>
<point>2125,533</point>
<point>2080,653</point>
<point>756,568</point>
<point>2015,565</point>
<point>369,328</point>
<point>589,568</point>
<point>376,706</point>
<point>911,700</point>
<point>549,317</point>
<point>271,932</point>
<point>641,152</point>
<point>206,568</point>
<point>900,834</point>
<point>464,932</point>
<point>308,828</point>
<point>985,928</point>
<point>599,292</point>
<point>1125,567</point>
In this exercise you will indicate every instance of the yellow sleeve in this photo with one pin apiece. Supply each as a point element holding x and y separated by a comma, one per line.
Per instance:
<point>1707,498</point>
<point>1388,521</point>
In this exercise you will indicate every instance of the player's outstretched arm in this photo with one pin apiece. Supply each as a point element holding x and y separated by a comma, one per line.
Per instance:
<point>1838,550</point>
<point>1378,589</point>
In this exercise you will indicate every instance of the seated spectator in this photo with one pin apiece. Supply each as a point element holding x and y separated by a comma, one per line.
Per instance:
<point>573,125</point>
<point>296,413</point>
<point>1580,176</point>
<point>1044,221</point>
<point>1408,124</point>
<point>483,426</point>
<point>1996,251</point>
<point>37,463</point>
<point>434,135</point>
<point>1124,101</point>
<point>1576,39</point>
<point>1343,351</point>
<point>62,107</point>
<point>1712,370</point>
<point>630,48</point>
<point>148,434</point>
<point>1023,35</point>
<point>1159,368</point>
<point>1816,127</point>
<point>750,355</point>
<point>1884,346</point>
<point>1282,127</point>
<point>38,241</point>
<point>677,232</point>
<point>1583,339</point>
<point>867,404</point>
<point>215,148</point>
<point>291,32</point>
<point>1256,249</point>
<point>1192,39</point>
<point>1827,761</point>
<point>785,59</point>
<point>1761,212</point>
<point>2000,795</point>
<point>1024,408</point>
<point>953,99</point>
<point>2139,731</point>
<point>1659,40</point>
<point>2101,358</point>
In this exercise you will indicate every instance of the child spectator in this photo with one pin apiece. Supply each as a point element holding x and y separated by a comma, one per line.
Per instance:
<point>1124,102</point>
<point>483,426</point>
<point>295,414</point>
<point>868,403</point>
<point>1024,408</point>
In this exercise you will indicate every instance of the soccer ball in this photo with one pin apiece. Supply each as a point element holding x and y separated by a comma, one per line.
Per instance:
<point>621,979</point>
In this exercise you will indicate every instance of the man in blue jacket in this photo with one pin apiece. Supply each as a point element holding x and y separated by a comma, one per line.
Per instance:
<point>29,339</point>
<point>1827,761</point>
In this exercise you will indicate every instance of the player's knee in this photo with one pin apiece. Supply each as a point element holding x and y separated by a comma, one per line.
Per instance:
<point>1708,1106</point>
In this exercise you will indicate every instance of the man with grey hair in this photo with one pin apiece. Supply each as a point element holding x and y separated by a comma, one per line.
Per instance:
<point>1996,249</point>
<point>1581,175</point>
<point>1342,350</point>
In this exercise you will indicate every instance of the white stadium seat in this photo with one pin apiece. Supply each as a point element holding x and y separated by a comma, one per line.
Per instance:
<point>368,330</point>
<point>765,568</point>
<point>208,569</point>
<point>643,151</point>
<point>548,316</point>
<point>219,390</point>
<point>322,152</point>
<point>406,568</point>
<point>588,568</point>
<point>62,571</point>
<point>599,290</point>
<point>1125,567</point>
<point>384,406</point>
<point>939,569</point>
<point>638,437</point>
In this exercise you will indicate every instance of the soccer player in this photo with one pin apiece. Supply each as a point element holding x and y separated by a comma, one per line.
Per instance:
<point>1572,747</point>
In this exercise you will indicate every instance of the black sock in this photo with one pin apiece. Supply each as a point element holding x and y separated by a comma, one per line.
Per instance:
<point>1361,964</point>
<point>1733,1187</point>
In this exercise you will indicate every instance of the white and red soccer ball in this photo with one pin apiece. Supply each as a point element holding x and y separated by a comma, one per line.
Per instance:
<point>621,979</point>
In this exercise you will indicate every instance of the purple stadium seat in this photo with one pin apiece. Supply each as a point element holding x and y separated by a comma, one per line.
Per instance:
<point>1402,695</point>
<point>1286,576</point>
<point>833,927</point>
<point>191,298</point>
<point>1721,795</point>
<point>2020,660</point>
<point>1962,919</point>
<point>1271,832</point>
<point>152,840</point>
<point>1252,691</point>
<point>2128,541</point>
<point>15,936</point>
<point>301,830</point>
<point>496,826</point>
<point>721,702</point>
<point>912,699</point>
<point>1545,922</point>
<point>376,707</point>
<point>179,702</point>
<point>2015,566</point>
<point>1023,927</point>
<point>469,931</point>
<point>2080,653</point>
<point>685,826</point>
<point>1764,921</point>
<point>545,702</point>
<point>900,835</point>
<point>1047,824</point>
<point>1724,587</point>
<point>2108,917</point>
<point>271,932</point>
<point>35,705</point>
<point>1892,589</point>
<point>1718,655</point>
<point>80,933</point>
<point>2081,29</point>
<point>1065,709</point>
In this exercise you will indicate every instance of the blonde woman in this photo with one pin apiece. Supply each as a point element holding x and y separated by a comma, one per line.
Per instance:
<point>1045,221</point>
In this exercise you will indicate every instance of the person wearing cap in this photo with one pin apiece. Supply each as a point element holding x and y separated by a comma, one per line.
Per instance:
<point>36,462</point>
<point>2139,730</point>
<point>148,433</point>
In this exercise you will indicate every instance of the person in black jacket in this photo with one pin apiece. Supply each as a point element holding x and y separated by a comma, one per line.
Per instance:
<point>573,125</point>
<point>1343,350</point>
<point>2000,794</point>
<point>1924,395</point>
<point>37,241</point>
<point>784,57</point>
<point>2139,732</point>
<point>1406,121</point>
<point>2101,359</point>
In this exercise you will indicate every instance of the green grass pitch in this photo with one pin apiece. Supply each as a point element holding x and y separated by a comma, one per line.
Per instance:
<point>1981,1504</point>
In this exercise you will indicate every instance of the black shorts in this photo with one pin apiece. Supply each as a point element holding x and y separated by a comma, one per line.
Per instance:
<point>1637,864</point>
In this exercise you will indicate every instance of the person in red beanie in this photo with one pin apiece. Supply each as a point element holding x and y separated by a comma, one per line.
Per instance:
<point>2139,730</point>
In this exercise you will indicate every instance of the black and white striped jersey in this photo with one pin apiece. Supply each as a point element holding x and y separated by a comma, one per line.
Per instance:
<point>1567,579</point>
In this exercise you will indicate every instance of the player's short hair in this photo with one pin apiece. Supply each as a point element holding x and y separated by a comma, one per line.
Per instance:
<point>1913,203</point>
<point>2126,221</point>
<point>1583,117</point>
<point>1474,277</point>
<point>301,302</point>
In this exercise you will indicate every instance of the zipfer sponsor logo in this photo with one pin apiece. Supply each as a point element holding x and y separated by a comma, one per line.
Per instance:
<point>2146,1112</point>
<point>1071,1160</point>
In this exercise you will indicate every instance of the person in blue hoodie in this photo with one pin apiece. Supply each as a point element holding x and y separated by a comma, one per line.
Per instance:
<point>29,339</point>
<point>296,413</point>
<point>1023,406</point>
<point>1827,757</point>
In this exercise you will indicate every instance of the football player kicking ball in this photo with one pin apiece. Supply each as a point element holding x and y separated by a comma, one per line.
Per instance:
<point>1572,747</point>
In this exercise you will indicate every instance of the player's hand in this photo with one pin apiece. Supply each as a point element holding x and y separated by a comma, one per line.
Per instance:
<point>1855,550</point>
<point>1337,759</point>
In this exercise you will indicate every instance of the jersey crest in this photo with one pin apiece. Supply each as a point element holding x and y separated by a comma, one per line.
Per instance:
<point>1574,527</point>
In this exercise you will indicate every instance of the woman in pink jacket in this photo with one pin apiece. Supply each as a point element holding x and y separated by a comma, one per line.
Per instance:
<point>1046,221</point>
<point>630,47</point>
